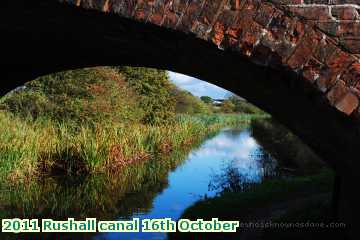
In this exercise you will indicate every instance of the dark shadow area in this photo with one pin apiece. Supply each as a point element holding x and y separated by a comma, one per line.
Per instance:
<point>294,200</point>
<point>44,37</point>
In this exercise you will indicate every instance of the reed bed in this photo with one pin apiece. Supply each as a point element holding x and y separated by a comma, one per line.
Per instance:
<point>31,148</point>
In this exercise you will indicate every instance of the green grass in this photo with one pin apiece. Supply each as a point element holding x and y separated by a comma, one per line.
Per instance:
<point>96,194</point>
<point>90,196</point>
<point>31,148</point>
<point>221,119</point>
<point>242,206</point>
<point>232,205</point>
<point>101,196</point>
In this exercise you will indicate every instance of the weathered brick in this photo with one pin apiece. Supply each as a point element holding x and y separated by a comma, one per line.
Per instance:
<point>318,40</point>
<point>335,65</point>
<point>345,13</point>
<point>348,103</point>
<point>337,92</point>
<point>304,50</point>
<point>189,21</point>
<point>352,76</point>
<point>312,69</point>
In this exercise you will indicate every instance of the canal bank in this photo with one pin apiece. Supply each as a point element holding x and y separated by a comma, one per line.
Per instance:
<point>231,160</point>
<point>300,193</point>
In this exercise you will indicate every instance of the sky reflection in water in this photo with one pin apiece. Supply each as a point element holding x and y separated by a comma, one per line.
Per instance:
<point>190,181</point>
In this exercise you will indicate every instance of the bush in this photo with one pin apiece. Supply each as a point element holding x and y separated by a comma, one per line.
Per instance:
<point>79,96</point>
<point>189,104</point>
<point>154,88</point>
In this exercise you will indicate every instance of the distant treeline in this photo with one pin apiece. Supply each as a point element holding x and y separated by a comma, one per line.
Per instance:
<point>112,94</point>
<point>102,119</point>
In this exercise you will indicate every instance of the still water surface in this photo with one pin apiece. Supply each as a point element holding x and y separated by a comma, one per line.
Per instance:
<point>230,160</point>
<point>204,173</point>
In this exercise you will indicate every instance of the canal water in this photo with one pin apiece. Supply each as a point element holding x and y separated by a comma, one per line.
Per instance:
<point>231,159</point>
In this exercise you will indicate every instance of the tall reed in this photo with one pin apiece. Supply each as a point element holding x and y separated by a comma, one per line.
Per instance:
<point>30,148</point>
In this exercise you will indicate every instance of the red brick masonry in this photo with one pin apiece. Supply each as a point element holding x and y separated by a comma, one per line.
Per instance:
<point>317,39</point>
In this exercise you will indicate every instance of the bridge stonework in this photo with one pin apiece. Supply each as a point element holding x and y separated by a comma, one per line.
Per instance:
<point>297,59</point>
<point>338,18</point>
<point>317,39</point>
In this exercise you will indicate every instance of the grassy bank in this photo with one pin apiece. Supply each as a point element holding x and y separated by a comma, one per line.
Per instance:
<point>30,148</point>
<point>302,194</point>
<point>99,120</point>
<point>96,195</point>
<point>101,196</point>
<point>244,206</point>
<point>226,205</point>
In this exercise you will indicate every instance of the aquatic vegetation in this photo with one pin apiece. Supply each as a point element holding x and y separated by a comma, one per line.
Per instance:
<point>220,119</point>
<point>102,196</point>
<point>90,196</point>
<point>98,120</point>
<point>31,148</point>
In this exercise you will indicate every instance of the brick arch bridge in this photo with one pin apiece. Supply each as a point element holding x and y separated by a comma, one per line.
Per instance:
<point>297,59</point>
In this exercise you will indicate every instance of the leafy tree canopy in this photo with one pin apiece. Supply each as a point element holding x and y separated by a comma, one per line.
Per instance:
<point>80,96</point>
<point>189,104</point>
<point>154,88</point>
<point>207,99</point>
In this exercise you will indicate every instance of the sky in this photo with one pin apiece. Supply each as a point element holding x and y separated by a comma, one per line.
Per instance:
<point>197,87</point>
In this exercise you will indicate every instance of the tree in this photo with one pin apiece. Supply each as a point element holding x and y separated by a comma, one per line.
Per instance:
<point>81,96</point>
<point>207,100</point>
<point>189,104</point>
<point>227,107</point>
<point>154,87</point>
<point>242,106</point>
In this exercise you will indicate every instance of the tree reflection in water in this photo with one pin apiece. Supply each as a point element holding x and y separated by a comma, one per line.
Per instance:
<point>234,179</point>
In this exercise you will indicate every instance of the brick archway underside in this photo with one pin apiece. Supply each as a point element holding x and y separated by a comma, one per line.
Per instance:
<point>297,61</point>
